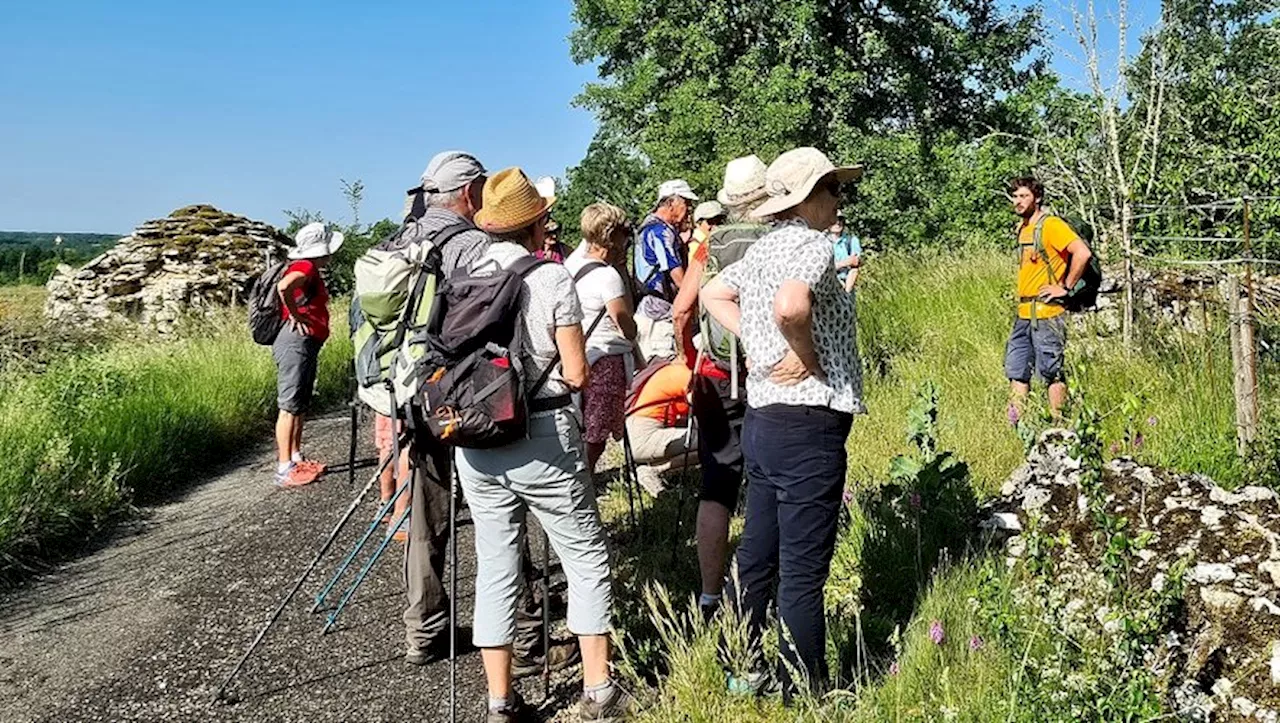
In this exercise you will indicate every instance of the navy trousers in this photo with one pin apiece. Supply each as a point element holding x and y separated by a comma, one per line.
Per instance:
<point>795,463</point>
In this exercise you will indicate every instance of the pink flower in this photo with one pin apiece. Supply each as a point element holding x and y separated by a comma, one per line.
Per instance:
<point>915,500</point>
<point>976,643</point>
<point>893,668</point>
<point>1013,415</point>
<point>1115,448</point>
<point>936,633</point>
<point>1137,441</point>
<point>1152,420</point>
<point>848,496</point>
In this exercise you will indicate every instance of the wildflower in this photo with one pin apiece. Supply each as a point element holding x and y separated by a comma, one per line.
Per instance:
<point>1152,420</point>
<point>936,633</point>
<point>1137,441</point>
<point>976,643</point>
<point>1013,415</point>
<point>915,500</point>
<point>1115,448</point>
<point>893,668</point>
<point>848,496</point>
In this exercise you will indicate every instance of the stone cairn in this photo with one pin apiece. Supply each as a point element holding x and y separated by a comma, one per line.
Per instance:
<point>197,258</point>
<point>1219,659</point>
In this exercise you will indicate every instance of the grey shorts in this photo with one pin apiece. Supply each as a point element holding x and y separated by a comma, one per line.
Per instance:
<point>296,360</point>
<point>1039,349</point>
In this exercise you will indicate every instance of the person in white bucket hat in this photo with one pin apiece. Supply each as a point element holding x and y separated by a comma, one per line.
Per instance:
<point>304,305</point>
<point>719,397</point>
<point>659,269</point>
<point>804,385</point>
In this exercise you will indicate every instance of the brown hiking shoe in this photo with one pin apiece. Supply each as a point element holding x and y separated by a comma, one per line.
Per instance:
<point>614,708</point>
<point>562,656</point>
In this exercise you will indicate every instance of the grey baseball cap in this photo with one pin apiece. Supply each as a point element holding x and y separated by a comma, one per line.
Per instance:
<point>449,171</point>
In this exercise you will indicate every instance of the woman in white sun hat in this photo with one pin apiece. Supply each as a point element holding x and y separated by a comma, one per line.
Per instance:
<point>804,385</point>
<point>304,304</point>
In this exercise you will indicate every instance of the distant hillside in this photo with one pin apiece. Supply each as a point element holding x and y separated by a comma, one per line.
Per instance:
<point>29,257</point>
<point>47,239</point>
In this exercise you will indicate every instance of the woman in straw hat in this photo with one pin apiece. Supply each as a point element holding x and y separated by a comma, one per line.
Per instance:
<point>803,387</point>
<point>546,473</point>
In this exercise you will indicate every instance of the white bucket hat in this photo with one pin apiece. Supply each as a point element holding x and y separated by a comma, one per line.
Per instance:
<point>794,174</point>
<point>743,181</point>
<point>315,240</point>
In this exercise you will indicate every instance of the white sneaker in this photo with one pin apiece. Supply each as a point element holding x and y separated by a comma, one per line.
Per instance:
<point>650,480</point>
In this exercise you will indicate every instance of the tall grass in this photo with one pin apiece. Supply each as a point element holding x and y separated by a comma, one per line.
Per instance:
<point>945,320</point>
<point>98,430</point>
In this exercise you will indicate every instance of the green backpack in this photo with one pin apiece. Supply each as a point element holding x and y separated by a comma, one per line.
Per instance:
<point>395,287</point>
<point>1084,295</point>
<point>726,245</point>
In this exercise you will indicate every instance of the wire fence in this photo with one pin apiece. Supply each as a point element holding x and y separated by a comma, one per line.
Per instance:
<point>1215,267</point>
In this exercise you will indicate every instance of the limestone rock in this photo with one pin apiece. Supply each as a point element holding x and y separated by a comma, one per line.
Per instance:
<point>197,258</point>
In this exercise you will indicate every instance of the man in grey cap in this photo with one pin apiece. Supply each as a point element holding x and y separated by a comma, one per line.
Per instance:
<point>447,199</point>
<point>440,209</point>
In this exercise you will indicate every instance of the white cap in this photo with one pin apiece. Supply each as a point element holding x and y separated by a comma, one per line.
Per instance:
<point>546,187</point>
<point>706,210</point>
<point>678,187</point>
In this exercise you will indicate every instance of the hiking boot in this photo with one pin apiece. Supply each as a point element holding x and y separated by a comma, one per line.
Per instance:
<point>562,656</point>
<point>513,712</point>
<point>436,649</point>
<point>614,708</point>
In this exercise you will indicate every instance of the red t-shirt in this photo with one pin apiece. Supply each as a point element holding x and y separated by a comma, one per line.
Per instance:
<point>311,298</point>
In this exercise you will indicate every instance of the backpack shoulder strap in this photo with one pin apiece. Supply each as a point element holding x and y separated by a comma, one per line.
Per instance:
<point>524,265</point>
<point>587,269</point>
<point>1037,235</point>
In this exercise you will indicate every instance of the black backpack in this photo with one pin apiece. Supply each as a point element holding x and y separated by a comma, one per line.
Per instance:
<point>265,318</point>
<point>473,391</point>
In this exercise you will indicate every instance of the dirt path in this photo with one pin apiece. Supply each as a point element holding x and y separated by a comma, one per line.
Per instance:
<point>146,627</point>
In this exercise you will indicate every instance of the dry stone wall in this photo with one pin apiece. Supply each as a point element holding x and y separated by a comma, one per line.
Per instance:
<point>197,257</point>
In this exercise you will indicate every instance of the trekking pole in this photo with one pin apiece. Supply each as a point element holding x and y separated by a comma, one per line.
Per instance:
<point>220,694</point>
<point>628,461</point>
<point>364,572</point>
<point>369,532</point>
<point>400,441</point>
<point>355,427</point>
<point>546,615</point>
<point>454,483</point>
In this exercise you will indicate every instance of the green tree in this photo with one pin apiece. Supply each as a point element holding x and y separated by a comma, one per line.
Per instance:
<point>690,86</point>
<point>611,172</point>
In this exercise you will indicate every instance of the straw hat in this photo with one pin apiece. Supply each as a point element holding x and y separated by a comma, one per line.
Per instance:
<point>315,240</point>
<point>793,176</point>
<point>511,202</point>
<point>743,181</point>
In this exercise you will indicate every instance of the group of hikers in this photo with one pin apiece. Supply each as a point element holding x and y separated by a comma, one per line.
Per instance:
<point>727,343</point>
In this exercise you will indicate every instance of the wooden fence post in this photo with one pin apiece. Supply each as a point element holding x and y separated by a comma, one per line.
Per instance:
<point>1244,374</point>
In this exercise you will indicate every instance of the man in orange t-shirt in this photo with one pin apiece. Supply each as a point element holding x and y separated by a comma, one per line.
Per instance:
<point>1039,338</point>
<point>658,422</point>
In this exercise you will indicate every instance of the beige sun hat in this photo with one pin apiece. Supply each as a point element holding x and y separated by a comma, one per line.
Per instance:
<point>707,210</point>
<point>743,181</point>
<point>792,177</point>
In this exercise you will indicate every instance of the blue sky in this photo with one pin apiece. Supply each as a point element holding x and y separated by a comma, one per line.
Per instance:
<point>116,112</point>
